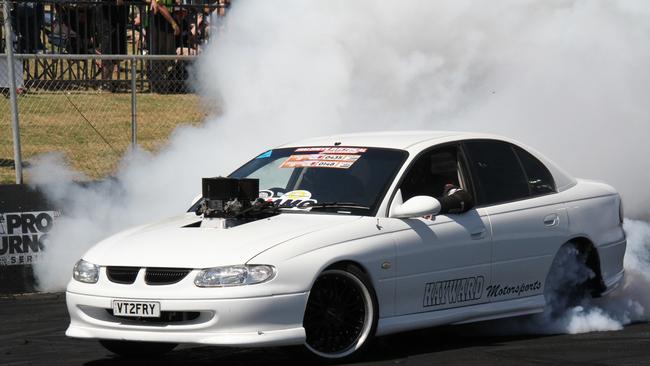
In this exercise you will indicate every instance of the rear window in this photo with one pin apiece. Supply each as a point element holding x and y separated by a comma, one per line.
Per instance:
<point>497,173</point>
<point>540,180</point>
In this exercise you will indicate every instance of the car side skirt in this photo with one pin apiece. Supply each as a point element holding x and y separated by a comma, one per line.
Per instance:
<point>466,314</point>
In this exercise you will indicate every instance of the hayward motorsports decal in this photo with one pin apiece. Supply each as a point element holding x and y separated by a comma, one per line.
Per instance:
<point>453,291</point>
<point>23,236</point>
<point>498,290</point>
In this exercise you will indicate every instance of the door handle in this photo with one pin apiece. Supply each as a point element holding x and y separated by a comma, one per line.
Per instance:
<point>480,234</point>
<point>551,220</point>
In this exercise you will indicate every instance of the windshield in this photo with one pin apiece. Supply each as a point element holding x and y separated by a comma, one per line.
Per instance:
<point>334,179</point>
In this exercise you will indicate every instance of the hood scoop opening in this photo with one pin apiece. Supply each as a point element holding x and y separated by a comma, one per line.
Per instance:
<point>230,202</point>
<point>221,223</point>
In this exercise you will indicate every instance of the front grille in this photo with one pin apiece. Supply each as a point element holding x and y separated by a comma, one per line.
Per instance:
<point>165,276</point>
<point>165,317</point>
<point>124,275</point>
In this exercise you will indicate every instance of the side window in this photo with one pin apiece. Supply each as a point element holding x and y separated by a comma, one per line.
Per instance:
<point>540,179</point>
<point>497,173</point>
<point>431,172</point>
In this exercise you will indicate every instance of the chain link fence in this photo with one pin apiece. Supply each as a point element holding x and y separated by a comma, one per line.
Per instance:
<point>91,119</point>
<point>93,78</point>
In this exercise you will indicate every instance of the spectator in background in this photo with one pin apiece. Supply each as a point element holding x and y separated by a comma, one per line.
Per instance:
<point>74,26</point>
<point>27,21</point>
<point>193,26</point>
<point>138,32</point>
<point>110,34</point>
<point>198,32</point>
<point>161,35</point>
<point>218,20</point>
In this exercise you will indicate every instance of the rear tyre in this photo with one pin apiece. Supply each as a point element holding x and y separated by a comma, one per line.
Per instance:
<point>137,349</point>
<point>570,280</point>
<point>341,314</point>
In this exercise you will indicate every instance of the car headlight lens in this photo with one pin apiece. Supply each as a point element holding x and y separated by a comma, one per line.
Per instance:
<point>85,272</point>
<point>234,275</point>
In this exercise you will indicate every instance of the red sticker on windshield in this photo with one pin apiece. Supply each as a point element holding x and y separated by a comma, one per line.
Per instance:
<point>335,161</point>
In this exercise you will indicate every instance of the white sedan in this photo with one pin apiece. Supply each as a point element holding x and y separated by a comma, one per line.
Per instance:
<point>329,242</point>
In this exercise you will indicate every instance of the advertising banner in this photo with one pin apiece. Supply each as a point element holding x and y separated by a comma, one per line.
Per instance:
<point>23,236</point>
<point>26,218</point>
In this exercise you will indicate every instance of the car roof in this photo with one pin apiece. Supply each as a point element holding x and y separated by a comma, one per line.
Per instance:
<point>387,139</point>
<point>416,141</point>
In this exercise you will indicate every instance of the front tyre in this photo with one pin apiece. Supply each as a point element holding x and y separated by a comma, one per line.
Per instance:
<point>137,349</point>
<point>341,314</point>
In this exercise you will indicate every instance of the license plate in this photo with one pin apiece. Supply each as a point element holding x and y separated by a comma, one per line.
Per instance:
<point>141,309</point>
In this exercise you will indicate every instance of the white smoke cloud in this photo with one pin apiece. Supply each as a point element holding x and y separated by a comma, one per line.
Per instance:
<point>568,77</point>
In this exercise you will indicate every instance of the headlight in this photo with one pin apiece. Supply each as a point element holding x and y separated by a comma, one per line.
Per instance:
<point>234,275</point>
<point>85,272</point>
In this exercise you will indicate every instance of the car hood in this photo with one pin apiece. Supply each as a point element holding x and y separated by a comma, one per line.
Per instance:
<point>169,243</point>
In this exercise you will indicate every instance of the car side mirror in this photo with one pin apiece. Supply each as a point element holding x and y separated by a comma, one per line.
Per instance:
<point>414,207</point>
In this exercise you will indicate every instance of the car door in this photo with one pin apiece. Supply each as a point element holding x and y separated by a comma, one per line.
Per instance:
<point>442,261</point>
<point>529,221</point>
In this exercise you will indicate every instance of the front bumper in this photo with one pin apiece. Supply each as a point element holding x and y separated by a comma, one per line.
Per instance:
<point>254,321</point>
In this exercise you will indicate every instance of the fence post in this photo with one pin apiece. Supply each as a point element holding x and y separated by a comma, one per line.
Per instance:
<point>9,47</point>
<point>134,111</point>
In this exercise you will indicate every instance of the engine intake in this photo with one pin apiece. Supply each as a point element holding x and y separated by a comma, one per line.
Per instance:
<point>228,197</point>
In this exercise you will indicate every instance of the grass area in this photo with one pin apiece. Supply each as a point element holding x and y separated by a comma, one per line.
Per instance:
<point>50,122</point>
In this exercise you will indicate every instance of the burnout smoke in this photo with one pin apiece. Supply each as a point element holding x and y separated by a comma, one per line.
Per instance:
<point>567,314</point>
<point>569,77</point>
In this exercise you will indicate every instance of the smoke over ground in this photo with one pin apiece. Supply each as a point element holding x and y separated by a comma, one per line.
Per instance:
<point>568,77</point>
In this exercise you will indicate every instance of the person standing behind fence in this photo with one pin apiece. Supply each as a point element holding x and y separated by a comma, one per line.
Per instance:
<point>162,33</point>
<point>28,18</point>
<point>110,33</point>
<point>74,27</point>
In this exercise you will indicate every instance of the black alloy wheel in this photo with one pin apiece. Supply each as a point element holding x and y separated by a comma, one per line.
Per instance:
<point>341,314</point>
<point>136,349</point>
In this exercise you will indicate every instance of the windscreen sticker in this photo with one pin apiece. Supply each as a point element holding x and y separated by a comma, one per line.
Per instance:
<point>297,195</point>
<point>265,155</point>
<point>295,200</point>
<point>325,157</point>
<point>266,194</point>
<point>337,161</point>
<point>333,150</point>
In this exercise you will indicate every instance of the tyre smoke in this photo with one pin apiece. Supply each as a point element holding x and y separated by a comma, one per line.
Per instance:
<point>567,314</point>
<point>568,77</point>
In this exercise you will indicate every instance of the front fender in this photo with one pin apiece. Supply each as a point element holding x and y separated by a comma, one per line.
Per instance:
<point>300,262</point>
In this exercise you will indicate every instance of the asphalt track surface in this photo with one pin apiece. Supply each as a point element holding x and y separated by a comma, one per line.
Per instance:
<point>32,333</point>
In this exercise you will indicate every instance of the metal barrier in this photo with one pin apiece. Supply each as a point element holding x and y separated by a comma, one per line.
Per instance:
<point>113,27</point>
<point>94,120</point>
<point>92,78</point>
